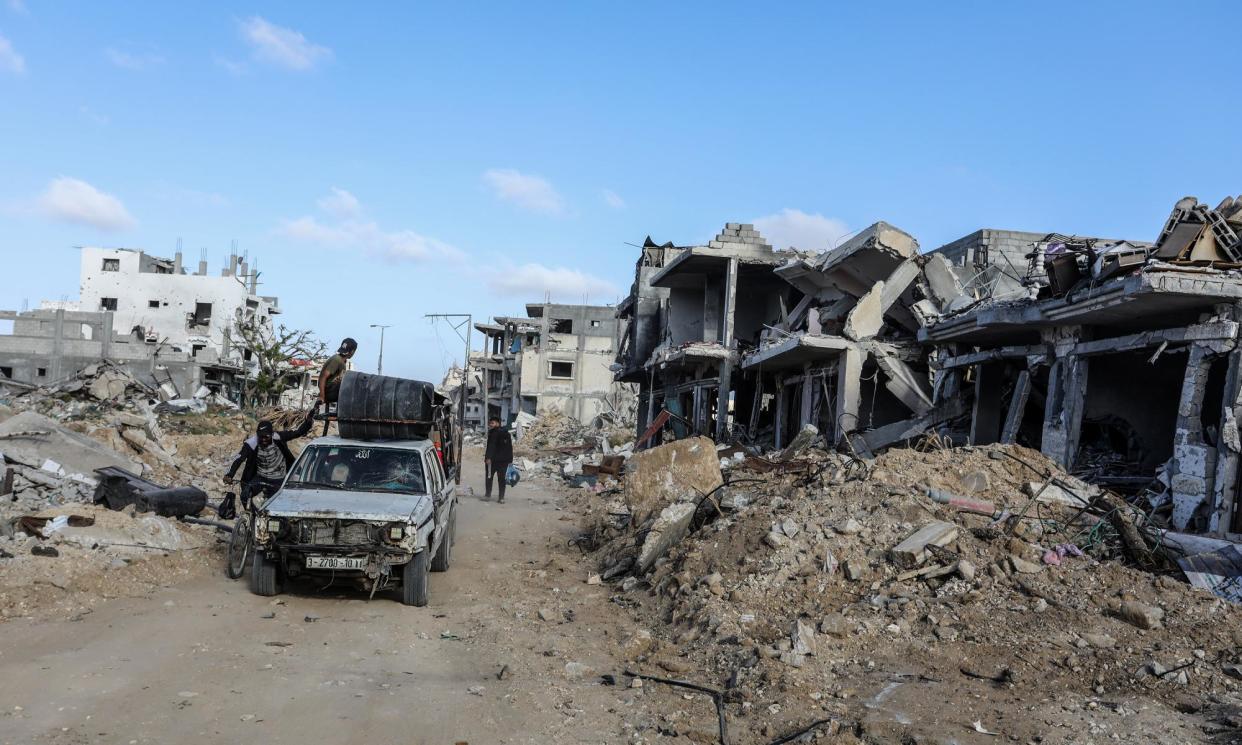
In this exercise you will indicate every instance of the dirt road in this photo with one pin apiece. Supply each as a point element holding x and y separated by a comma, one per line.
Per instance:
<point>207,662</point>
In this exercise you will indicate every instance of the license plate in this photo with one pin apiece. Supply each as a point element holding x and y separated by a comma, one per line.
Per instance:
<point>335,562</point>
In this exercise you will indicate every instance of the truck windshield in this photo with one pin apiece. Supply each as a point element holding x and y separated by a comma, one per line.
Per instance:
<point>358,468</point>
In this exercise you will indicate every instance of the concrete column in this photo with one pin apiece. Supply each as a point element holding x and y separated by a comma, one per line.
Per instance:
<point>1017,406</point>
<point>808,398</point>
<point>1228,447</point>
<point>849,391</point>
<point>1067,389</point>
<point>58,343</point>
<point>1192,468</point>
<point>780,411</point>
<point>727,329</point>
<point>177,263</point>
<point>108,333</point>
<point>202,268</point>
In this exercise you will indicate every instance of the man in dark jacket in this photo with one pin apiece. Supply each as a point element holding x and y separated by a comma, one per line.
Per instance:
<point>497,456</point>
<point>265,457</point>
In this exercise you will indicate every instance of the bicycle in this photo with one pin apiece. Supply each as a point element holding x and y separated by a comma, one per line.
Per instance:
<point>239,545</point>
<point>242,539</point>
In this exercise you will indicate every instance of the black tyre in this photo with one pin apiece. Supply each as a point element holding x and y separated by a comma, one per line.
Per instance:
<point>264,577</point>
<point>414,578</point>
<point>239,548</point>
<point>444,555</point>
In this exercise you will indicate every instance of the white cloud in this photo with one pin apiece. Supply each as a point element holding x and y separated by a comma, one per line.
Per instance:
<point>614,200</point>
<point>131,61</point>
<point>281,46</point>
<point>72,200</point>
<point>233,66</point>
<point>94,116</point>
<point>351,233</point>
<point>527,191</point>
<point>9,58</point>
<point>795,228</point>
<point>534,280</point>
<point>340,204</point>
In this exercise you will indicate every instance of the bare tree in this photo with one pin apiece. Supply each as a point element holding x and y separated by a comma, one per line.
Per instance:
<point>272,351</point>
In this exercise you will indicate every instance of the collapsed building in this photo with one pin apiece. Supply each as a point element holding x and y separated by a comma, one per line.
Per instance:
<point>170,328</point>
<point>557,358</point>
<point>1117,359</point>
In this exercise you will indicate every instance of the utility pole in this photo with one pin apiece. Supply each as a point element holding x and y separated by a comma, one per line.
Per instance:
<point>456,322</point>
<point>379,370</point>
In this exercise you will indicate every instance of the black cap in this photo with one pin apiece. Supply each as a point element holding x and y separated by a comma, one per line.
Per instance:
<point>348,345</point>
<point>265,428</point>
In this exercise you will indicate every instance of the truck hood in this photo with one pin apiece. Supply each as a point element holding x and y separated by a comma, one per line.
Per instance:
<point>349,505</point>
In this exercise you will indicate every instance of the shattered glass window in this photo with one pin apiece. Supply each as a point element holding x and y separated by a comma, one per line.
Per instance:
<point>358,468</point>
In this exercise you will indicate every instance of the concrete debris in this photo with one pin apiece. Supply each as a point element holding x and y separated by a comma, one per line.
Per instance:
<point>685,470</point>
<point>1141,615</point>
<point>913,551</point>
<point>668,528</point>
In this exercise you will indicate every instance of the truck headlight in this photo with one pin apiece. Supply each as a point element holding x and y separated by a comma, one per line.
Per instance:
<point>273,525</point>
<point>396,532</point>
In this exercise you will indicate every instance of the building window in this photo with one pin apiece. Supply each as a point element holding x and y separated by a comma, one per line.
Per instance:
<point>153,303</point>
<point>562,326</point>
<point>561,370</point>
<point>41,372</point>
<point>596,324</point>
<point>112,265</point>
<point>107,303</point>
<point>196,348</point>
<point>202,314</point>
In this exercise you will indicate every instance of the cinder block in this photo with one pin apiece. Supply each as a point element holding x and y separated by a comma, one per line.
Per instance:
<point>732,226</point>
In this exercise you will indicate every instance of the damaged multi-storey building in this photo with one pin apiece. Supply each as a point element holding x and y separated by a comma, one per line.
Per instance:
<point>737,340</point>
<point>1118,359</point>
<point>556,358</point>
<point>1121,362</point>
<point>166,326</point>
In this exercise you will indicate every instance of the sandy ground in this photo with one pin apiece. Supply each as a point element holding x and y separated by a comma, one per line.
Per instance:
<point>199,662</point>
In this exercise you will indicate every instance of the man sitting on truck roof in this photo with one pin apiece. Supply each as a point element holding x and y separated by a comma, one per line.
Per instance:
<point>334,370</point>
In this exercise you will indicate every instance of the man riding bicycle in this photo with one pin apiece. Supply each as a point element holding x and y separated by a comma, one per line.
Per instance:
<point>266,458</point>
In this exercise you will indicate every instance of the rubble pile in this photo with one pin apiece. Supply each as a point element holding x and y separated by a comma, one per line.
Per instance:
<point>584,455</point>
<point>102,439</point>
<point>798,587</point>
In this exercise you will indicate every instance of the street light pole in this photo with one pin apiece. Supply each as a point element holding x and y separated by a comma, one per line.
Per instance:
<point>380,367</point>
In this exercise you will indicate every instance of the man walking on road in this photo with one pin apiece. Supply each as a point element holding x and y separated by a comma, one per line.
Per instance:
<point>497,457</point>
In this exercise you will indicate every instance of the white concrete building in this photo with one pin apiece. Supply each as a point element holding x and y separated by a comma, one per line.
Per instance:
<point>156,300</point>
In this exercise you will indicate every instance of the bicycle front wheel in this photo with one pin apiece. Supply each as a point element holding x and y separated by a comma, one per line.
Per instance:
<point>239,547</point>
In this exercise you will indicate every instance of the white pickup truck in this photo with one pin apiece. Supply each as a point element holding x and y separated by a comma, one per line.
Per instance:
<point>374,514</point>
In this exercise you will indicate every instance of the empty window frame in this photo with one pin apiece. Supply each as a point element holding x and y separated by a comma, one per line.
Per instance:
<point>153,303</point>
<point>562,326</point>
<point>596,324</point>
<point>112,265</point>
<point>202,314</point>
<point>41,372</point>
<point>107,303</point>
<point>560,369</point>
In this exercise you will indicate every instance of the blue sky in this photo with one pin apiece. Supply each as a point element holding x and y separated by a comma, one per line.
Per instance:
<point>383,162</point>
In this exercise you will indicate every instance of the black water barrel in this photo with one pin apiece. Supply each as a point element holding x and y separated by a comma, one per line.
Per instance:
<point>378,407</point>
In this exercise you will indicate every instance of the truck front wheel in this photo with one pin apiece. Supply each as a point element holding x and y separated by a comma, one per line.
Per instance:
<point>264,579</point>
<point>414,577</point>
